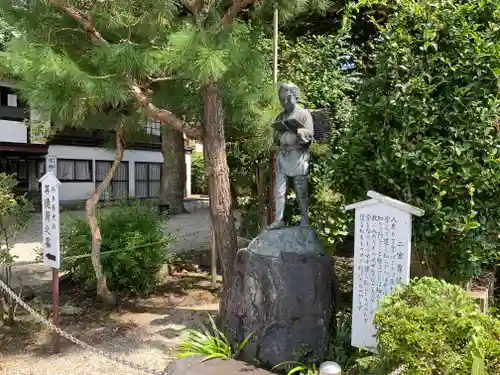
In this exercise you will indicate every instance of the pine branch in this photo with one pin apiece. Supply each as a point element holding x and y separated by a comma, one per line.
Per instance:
<point>162,115</point>
<point>161,79</point>
<point>234,9</point>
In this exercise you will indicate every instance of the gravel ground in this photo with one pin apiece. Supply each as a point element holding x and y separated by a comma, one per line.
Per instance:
<point>146,334</point>
<point>79,363</point>
<point>148,337</point>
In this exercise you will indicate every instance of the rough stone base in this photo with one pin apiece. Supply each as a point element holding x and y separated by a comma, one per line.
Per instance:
<point>284,300</point>
<point>195,366</point>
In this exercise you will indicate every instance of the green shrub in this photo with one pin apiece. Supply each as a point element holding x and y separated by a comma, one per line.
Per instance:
<point>435,328</point>
<point>425,129</point>
<point>133,248</point>
<point>14,217</point>
<point>198,181</point>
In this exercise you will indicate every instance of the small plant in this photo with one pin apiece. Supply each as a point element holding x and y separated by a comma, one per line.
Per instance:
<point>340,349</point>
<point>211,345</point>
<point>299,368</point>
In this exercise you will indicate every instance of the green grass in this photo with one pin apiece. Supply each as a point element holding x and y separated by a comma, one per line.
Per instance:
<point>208,344</point>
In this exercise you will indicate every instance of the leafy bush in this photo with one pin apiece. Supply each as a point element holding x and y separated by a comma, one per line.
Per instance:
<point>14,216</point>
<point>426,129</point>
<point>434,328</point>
<point>133,248</point>
<point>198,181</point>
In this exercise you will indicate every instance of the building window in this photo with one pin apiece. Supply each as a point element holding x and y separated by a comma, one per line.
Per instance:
<point>40,170</point>
<point>11,105</point>
<point>118,187</point>
<point>74,170</point>
<point>148,180</point>
<point>153,127</point>
<point>17,167</point>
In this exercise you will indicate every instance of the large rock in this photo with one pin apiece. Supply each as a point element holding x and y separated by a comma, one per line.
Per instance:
<point>282,293</point>
<point>195,366</point>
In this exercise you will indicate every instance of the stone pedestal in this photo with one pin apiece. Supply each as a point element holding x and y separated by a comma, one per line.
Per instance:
<point>216,366</point>
<point>282,293</point>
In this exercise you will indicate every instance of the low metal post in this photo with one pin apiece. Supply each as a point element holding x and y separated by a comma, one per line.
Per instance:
<point>330,368</point>
<point>214,261</point>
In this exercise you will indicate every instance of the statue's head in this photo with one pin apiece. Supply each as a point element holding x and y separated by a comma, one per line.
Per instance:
<point>289,95</point>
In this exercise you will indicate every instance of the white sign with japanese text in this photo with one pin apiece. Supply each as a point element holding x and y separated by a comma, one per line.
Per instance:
<point>382,257</point>
<point>50,220</point>
<point>51,164</point>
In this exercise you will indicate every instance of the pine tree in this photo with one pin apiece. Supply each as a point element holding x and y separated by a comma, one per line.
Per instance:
<point>193,56</point>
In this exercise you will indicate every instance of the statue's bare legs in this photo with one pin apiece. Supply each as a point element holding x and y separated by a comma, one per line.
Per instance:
<point>280,190</point>
<point>300,186</point>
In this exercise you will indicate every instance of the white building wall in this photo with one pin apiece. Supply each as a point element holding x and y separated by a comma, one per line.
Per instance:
<point>13,131</point>
<point>188,173</point>
<point>17,132</point>
<point>74,191</point>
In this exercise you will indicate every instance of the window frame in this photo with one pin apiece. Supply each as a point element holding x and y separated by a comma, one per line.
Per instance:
<point>13,167</point>
<point>114,179</point>
<point>74,161</point>
<point>153,127</point>
<point>148,180</point>
<point>11,113</point>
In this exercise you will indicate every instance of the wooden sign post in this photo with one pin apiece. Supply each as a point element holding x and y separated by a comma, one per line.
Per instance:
<point>382,256</point>
<point>51,239</point>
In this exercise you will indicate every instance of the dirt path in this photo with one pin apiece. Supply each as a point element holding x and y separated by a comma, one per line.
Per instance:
<point>144,331</point>
<point>192,231</point>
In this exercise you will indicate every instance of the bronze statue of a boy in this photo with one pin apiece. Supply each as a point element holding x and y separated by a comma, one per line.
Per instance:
<point>294,133</point>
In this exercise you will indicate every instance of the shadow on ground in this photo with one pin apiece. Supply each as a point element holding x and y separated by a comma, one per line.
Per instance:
<point>157,321</point>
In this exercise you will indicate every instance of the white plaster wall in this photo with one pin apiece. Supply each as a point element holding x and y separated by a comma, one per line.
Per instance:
<point>188,174</point>
<point>7,83</point>
<point>13,131</point>
<point>70,191</point>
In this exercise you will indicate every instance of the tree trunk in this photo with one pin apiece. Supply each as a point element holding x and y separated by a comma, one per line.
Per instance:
<point>262,193</point>
<point>102,286</point>
<point>219,189</point>
<point>173,180</point>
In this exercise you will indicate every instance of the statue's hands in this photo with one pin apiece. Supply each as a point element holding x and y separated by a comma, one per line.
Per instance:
<point>305,135</point>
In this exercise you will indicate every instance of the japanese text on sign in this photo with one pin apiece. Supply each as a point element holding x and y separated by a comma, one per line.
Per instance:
<point>51,165</point>
<point>50,219</point>
<point>381,261</point>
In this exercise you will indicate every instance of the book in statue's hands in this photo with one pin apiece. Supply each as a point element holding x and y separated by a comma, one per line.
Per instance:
<point>280,126</point>
<point>288,125</point>
<point>293,124</point>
